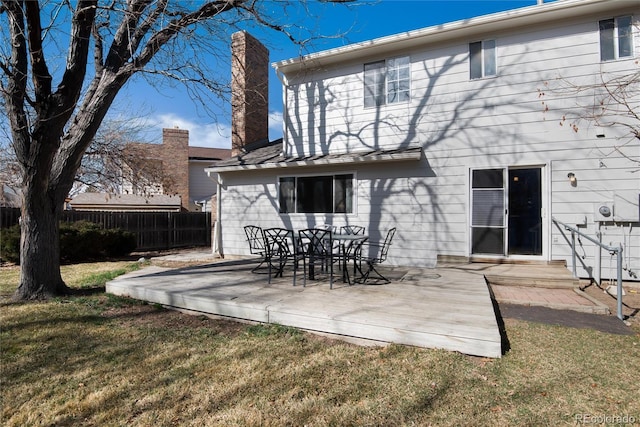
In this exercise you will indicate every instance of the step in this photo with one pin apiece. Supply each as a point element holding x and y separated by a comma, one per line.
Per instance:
<point>553,275</point>
<point>531,280</point>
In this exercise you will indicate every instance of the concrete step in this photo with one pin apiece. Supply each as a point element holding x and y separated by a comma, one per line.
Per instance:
<point>532,280</point>
<point>542,275</point>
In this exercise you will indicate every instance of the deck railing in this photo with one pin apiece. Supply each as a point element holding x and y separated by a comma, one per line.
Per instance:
<point>617,250</point>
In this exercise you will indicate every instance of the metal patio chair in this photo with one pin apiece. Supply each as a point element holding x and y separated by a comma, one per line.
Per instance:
<point>255,237</point>
<point>331,228</point>
<point>373,254</point>
<point>352,229</point>
<point>280,249</point>
<point>316,250</point>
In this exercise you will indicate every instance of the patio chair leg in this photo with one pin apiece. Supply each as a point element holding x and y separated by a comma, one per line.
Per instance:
<point>304,274</point>
<point>257,267</point>
<point>377,276</point>
<point>295,271</point>
<point>331,276</point>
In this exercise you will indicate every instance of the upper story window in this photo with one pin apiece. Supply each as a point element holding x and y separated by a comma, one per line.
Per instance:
<point>482,59</point>
<point>316,194</point>
<point>387,82</point>
<point>616,38</point>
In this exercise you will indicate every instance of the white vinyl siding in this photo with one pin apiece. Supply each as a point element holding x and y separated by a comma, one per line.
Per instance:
<point>201,187</point>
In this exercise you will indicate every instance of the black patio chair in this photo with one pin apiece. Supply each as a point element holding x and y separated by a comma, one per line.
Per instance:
<point>331,228</point>
<point>353,229</point>
<point>316,250</point>
<point>373,254</point>
<point>280,249</point>
<point>255,237</point>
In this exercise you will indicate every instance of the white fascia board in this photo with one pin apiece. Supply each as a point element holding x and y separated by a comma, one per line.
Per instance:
<point>558,10</point>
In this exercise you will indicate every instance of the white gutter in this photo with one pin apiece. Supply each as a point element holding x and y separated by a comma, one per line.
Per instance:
<point>559,10</point>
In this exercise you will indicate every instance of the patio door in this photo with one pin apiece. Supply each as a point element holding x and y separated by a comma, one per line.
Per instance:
<point>506,211</point>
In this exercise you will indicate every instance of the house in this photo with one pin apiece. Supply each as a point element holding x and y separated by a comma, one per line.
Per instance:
<point>168,177</point>
<point>10,197</point>
<point>465,136</point>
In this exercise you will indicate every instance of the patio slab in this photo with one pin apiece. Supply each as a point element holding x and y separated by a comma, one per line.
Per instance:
<point>444,308</point>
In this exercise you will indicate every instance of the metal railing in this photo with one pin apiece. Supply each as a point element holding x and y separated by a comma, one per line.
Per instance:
<point>617,250</point>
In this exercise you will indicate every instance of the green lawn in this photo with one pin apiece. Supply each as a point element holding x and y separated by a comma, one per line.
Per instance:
<point>103,360</point>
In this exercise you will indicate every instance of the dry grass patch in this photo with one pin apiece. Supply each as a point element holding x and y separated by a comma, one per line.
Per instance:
<point>103,360</point>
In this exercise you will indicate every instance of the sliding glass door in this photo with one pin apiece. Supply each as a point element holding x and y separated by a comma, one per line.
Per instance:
<point>506,211</point>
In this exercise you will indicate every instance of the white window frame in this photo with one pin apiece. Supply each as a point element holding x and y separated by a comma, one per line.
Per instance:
<point>612,40</point>
<point>295,178</point>
<point>374,84</point>
<point>488,59</point>
<point>398,80</point>
<point>387,82</point>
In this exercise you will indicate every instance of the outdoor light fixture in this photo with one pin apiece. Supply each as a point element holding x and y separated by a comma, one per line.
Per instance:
<point>572,178</point>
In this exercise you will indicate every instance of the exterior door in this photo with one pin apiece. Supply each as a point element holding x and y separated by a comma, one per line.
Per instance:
<point>506,211</point>
<point>525,212</point>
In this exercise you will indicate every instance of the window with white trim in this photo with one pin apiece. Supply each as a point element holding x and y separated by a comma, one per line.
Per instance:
<point>387,82</point>
<point>482,59</point>
<point>316,194</point>
<point>616,38</point>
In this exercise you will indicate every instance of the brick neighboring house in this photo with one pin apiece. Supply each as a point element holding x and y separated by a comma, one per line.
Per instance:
<point>185,186</point>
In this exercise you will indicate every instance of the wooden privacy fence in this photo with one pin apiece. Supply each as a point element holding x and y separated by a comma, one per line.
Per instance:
<point>153,230</point>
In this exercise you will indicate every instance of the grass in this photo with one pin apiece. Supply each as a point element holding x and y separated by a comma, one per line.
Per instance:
<point>102,360</point>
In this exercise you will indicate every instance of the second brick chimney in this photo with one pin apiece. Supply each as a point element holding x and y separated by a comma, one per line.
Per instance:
<point>175,163</point>
<point>249,91</point>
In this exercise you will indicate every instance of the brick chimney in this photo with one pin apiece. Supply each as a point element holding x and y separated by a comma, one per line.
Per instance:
<point>249,91</point>
<point>175,163</point>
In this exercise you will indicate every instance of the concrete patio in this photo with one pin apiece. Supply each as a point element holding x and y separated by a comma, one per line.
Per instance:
<point>447,308</point>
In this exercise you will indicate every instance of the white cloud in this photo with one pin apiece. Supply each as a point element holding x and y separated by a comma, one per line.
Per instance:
<point>200,135</point>
<point>216,135</point>
<point>275,125</point>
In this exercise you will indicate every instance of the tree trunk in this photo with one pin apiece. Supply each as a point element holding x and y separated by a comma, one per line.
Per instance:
<point>40,276</point>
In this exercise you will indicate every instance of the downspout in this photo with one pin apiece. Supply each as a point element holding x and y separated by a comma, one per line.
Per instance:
<point>216,241</point>
<point>217,229</point>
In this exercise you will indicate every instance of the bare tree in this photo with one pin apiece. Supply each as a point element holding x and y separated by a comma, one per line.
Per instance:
<point>117,158</point>
<point>612,101</point>
<point>55,106</point>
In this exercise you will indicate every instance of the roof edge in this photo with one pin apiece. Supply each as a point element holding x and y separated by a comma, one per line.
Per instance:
<point>472,27</point>
<point>412,154</point>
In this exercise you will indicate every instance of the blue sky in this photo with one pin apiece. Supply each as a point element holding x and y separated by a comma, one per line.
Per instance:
<point>173,107</point>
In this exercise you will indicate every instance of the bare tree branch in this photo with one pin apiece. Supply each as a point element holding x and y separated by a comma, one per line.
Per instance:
<point>612,102</point>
